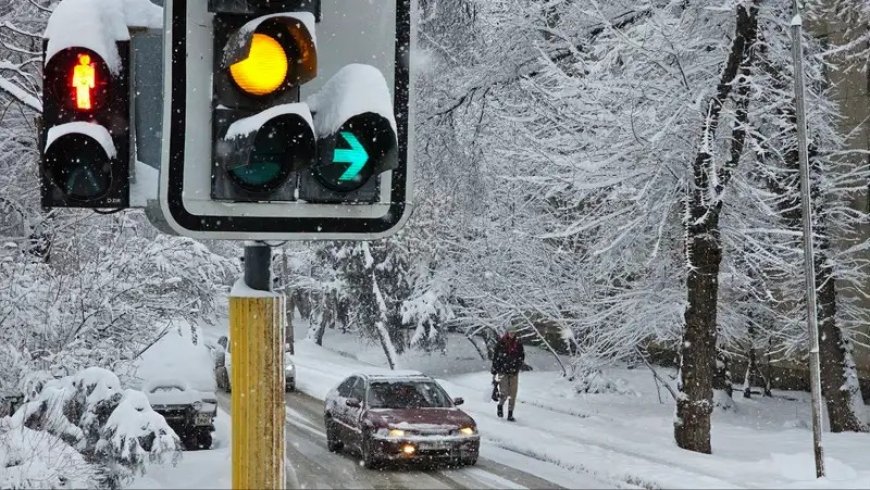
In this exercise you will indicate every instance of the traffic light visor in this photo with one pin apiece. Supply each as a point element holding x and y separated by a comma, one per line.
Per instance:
<point>264,70</point>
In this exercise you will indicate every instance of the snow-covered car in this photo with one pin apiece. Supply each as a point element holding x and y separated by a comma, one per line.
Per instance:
<point>399,416</point>
<point>176,376</point>
<point>187,410</point>
<point>224,363</point>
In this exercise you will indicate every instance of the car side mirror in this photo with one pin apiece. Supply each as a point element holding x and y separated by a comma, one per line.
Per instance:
<point>458,401</point>
<point>353,402</point>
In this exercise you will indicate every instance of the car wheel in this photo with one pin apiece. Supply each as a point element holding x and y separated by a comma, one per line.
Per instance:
<point>470,461</point>
<point>290,386</point>
<point>369,458</point>
<point>188,439</point>
<point>203,438</point>
<point>332,444</point>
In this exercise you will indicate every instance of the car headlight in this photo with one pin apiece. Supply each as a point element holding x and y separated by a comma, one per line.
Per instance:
<point>197,406</point>
<point>396,433</point>
<point>288,368</point>
<point>468,431</point>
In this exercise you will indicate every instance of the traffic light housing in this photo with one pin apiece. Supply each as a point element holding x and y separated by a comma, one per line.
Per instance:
<point>85,135</point>
<point>261,135</point>
<point>287,119</point>
<point>357,137</point>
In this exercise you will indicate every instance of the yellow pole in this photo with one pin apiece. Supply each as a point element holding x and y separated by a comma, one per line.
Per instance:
<point>257,338</point>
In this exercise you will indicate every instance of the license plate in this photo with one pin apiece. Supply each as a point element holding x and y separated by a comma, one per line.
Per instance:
<point>433,446</point>
<point>203,419</point>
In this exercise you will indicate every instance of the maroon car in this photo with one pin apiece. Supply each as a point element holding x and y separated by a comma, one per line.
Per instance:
<point>398,416</point>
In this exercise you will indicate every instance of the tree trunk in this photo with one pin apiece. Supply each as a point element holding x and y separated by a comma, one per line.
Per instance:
<point>841,395</point>
<point>703,248</point>
<point>698,350</point>
<point>302,301</point>
<point>315,333</point>
<point>289,333</point>
<point>722,376</point>
<point>751,366</point>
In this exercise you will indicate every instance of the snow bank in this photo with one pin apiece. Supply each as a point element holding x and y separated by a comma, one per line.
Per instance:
<point>97,25</point>
<point>197,469</point>
<point>354,90</point>
<point>37,459</point>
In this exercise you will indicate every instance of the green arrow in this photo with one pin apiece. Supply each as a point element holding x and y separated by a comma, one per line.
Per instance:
<point>357,157</point>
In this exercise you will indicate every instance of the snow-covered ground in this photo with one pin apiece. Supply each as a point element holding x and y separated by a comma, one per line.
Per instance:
<point>622,438</point>
<point>625,440</point>
<point>195,469</point>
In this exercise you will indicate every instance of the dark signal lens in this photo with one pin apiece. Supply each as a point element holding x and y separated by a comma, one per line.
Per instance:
<point>274,154</point>
<point>79,167</point>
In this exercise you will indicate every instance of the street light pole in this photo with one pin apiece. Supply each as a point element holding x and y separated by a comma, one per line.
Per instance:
<point>809,259</point>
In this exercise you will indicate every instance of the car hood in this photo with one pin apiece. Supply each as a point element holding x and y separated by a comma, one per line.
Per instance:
<point>419,418</point>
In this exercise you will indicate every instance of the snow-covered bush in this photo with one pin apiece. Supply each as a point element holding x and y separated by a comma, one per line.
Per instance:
<point>588,376</point>
<point>39,459</point>
<point>103,309</point>
<point>114,430</point>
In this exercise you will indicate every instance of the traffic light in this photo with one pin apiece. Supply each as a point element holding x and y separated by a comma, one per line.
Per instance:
<point>287,119</point>
<point>261,135</point>
<point>357,137</point>
<point>85,136</point>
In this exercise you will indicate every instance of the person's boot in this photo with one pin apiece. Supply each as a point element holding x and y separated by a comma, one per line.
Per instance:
<point>511,416</point>
<point>499,411</point>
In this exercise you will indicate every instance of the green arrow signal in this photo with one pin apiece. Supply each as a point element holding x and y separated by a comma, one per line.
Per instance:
<point>356,156</point>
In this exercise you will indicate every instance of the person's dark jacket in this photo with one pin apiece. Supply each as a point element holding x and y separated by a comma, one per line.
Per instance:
<point>508,355</point>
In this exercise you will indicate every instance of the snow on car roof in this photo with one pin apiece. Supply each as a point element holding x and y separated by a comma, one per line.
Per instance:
<point>179,357</point>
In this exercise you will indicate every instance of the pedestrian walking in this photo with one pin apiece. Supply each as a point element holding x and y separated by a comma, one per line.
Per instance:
<point>507,360</point>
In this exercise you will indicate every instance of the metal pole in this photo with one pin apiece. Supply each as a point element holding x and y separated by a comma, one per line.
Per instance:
<point>809,259</point>
<point>257,337</point>
<point>258,266</point>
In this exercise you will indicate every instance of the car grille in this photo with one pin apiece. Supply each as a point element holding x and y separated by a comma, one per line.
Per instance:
<point>173,414</point>
<point>434,432</point>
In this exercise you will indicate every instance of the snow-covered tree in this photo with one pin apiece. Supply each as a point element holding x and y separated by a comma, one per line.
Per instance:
<point>629,158</point>
<point>115,430</point>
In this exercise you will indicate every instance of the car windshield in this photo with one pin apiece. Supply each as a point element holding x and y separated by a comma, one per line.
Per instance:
<point>407,394</point>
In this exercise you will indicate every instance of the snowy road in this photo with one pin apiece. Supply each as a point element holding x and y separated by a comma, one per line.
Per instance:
<point>311,465</point>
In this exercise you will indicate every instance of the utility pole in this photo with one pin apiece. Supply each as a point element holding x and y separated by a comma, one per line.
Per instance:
<point>257,337</point>
<point>809,259</point>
